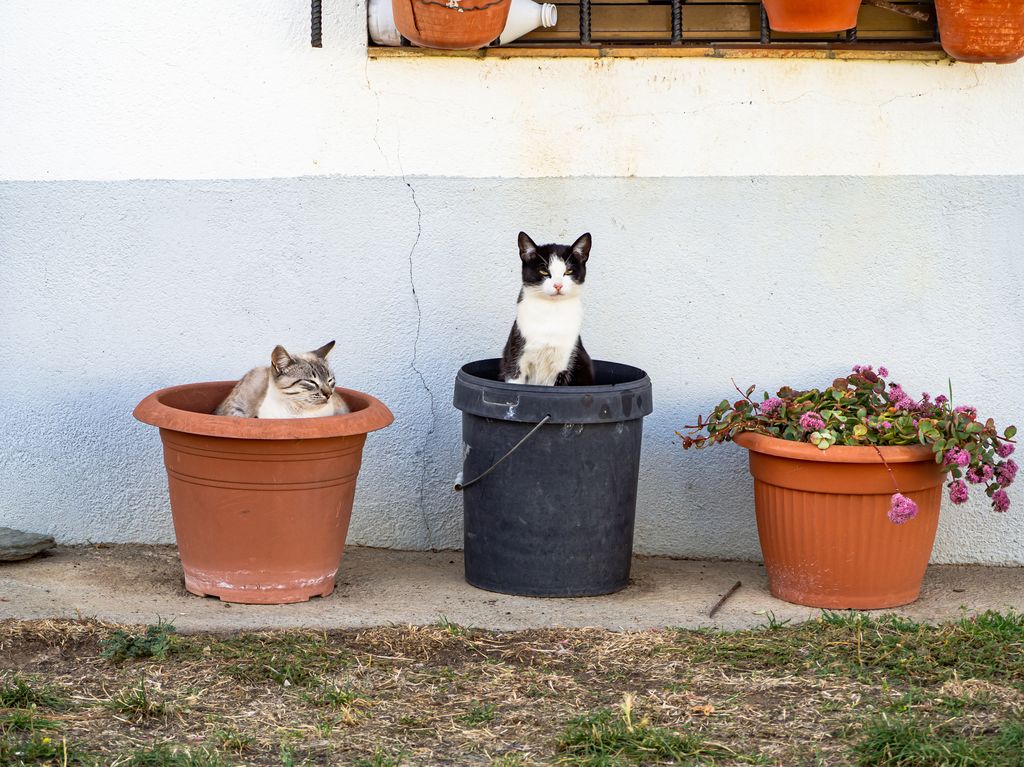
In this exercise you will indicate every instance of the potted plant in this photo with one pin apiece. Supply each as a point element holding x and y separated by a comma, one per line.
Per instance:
<point>451,24</point>
<point>982,30</point>
<point>848,480</point>
<point>261,506</point>
<point>812,15</point>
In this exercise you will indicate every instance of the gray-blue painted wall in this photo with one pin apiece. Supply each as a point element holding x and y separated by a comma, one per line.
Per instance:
<point>110,290</point>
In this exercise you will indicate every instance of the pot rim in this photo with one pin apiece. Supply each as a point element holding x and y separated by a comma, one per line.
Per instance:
<point>805,451</point>
<point>368,414</point>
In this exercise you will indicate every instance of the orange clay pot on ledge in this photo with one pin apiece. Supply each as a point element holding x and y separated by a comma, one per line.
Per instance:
<point>451,24</point>
<point>261,506</point>
<point>982,30</point>
<point>822,518</point>
<point>812,15</point>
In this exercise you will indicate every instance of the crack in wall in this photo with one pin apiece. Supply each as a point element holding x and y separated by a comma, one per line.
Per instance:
<point>415,355</point>
<point>376,122</point>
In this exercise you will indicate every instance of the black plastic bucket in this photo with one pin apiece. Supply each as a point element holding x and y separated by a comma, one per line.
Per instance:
<point>555,517</point>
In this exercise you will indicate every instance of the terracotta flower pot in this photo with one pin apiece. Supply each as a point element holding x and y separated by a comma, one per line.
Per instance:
<point>451,24</point>
<point>261,506</point>
<point>812,15</point>
<point>822,521</point>
<point>982,30</point>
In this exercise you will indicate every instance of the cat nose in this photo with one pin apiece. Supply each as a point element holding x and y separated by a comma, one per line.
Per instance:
<point>558,287</point>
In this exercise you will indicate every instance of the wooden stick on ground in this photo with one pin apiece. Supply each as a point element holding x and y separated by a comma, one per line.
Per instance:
<point>721,601</point>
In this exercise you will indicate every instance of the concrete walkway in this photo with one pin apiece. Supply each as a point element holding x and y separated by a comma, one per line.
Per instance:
<point>141,584</point>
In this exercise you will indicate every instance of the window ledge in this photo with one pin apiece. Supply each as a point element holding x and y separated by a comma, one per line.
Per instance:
<point>825,51</point>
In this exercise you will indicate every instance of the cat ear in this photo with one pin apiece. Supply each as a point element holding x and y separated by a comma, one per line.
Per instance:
<point>280,359</point>
<point>324,350</point>
<point>527,247</point>
<point>581,248</point>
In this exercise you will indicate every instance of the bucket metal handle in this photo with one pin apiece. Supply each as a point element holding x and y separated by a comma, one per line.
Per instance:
<point>460,486</point>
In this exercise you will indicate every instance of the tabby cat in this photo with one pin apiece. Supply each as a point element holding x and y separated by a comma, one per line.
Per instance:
<point>293,386</point>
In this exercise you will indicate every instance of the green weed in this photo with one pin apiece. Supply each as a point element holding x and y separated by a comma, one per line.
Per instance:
<point>24,719</point>
<point>479,713</point>
<point>609,738</point>
<point>136,703</point>
<point>910,743</point>
<point>233,739</point>
<point>18,692</point>
<point>155,642</point>
<point>989,647</point>
<point>452,628</point>
<point>380,758</point>
<point>166,755</point>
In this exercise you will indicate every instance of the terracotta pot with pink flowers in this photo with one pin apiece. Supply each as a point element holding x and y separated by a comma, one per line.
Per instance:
<point>848,480</point>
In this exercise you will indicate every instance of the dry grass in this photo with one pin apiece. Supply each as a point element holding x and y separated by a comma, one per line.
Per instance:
<point>803,695</point>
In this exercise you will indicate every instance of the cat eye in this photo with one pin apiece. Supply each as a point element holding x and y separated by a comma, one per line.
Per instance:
<point>545,273</point>
<point>568,271</point>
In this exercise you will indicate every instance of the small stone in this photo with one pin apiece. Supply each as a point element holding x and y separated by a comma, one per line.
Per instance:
<point>16,545</point>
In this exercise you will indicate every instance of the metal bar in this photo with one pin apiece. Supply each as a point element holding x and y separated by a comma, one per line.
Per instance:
<point>766,30</point>
<point>460,485</point>
<point>851,35</point>
<point>314,26</point>
<point>585,22</point>
<point>677,22</point>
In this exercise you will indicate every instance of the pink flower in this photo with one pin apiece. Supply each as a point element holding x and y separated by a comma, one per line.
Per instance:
<point>883,371</point>
<point>958,491</point>
<point>1004,449</point>
<point>941,400</point>
<point>958,456</point>
<point>885,425</point>
<point>967,410</point>
<point>976,477</point>
<point>1000,500</point>
<point>1006,472</point>
<point>811,421</point>
<point>899,399</point>
<point>902,509</point>
<point>770,405</point>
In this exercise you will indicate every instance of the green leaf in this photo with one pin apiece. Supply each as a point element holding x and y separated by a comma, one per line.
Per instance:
<point>1010,433</point>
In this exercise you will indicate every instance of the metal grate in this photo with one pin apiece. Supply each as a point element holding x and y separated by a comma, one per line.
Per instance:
<point>880,25</point>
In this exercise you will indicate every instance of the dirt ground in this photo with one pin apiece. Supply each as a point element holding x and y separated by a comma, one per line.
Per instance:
<point>845,689</point>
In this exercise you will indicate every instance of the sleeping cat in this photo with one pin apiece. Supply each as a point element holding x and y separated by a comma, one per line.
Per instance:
<point>293,386</point>
<point>544,347</point>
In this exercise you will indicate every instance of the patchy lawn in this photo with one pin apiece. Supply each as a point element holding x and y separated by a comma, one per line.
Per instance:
<point>843,690</point>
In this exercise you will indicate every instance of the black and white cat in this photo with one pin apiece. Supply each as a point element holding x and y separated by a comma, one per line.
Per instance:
<point>544,347</point>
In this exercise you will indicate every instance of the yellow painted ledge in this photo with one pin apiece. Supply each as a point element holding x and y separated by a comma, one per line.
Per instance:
<point>925,53</point>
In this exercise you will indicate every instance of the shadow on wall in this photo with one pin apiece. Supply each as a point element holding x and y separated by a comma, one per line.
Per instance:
<point>81,470</point>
